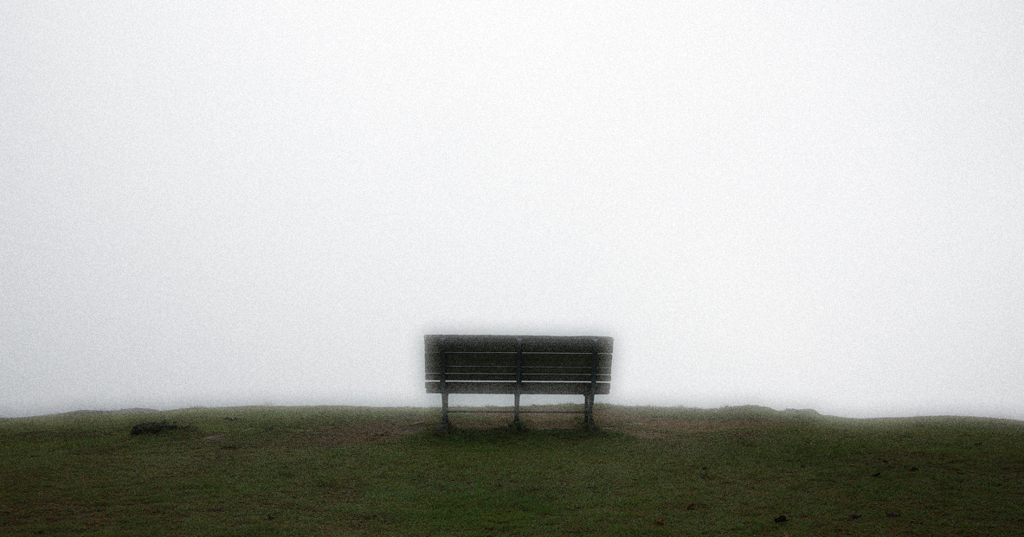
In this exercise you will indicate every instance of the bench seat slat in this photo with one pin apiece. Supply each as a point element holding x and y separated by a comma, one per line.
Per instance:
<point>556,388</point>
<point>563,377</point>
<point>527,369</point>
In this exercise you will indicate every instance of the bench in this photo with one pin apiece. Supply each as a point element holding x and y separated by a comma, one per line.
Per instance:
<point>516,365</point>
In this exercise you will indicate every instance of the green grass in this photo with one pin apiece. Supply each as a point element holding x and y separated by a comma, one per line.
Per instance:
<point>354,471</point>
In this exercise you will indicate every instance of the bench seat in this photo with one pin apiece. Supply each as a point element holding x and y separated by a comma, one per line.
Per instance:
<point>516,365</point>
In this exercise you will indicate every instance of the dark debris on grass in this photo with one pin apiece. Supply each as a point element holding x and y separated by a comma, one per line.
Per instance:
<point>156,427</point>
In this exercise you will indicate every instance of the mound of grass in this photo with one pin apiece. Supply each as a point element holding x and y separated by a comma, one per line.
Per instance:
<point>352,471</point>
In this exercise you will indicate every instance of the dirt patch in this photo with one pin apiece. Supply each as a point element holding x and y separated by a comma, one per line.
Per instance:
<point>665,427</point>
<point>626,422</point>
<point>368,433</point>
<point>532,421</point>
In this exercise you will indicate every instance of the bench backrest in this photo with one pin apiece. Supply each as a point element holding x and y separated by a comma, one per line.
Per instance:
<point>523,364</point>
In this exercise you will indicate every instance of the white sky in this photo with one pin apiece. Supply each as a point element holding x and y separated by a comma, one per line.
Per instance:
<point>791,204</point>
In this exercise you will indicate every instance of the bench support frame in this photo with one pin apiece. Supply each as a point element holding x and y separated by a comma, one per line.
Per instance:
<point>588,389</point>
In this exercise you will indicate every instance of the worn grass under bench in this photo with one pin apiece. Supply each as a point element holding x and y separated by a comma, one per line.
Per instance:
<point>648,471</point>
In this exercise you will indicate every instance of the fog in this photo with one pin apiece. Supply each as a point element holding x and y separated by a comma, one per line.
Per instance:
<point>789,204</point>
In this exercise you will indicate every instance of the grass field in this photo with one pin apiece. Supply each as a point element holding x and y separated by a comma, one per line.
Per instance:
<point>648,471</point>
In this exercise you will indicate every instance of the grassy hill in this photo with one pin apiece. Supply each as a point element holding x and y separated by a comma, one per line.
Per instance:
<point>648,471</point>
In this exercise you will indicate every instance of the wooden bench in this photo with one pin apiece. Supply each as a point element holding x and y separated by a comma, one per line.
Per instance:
<point>575,365</point>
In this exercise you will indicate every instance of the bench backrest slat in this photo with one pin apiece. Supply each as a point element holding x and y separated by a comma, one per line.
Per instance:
<point>557,344</point>
<point>506,360</point>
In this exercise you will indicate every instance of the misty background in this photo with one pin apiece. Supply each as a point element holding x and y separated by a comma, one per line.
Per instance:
<point>790,204</point>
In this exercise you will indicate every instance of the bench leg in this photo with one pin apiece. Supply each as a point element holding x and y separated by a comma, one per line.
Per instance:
<point>516,419</point>
<point>444,409</point>
<point>588,412</point>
